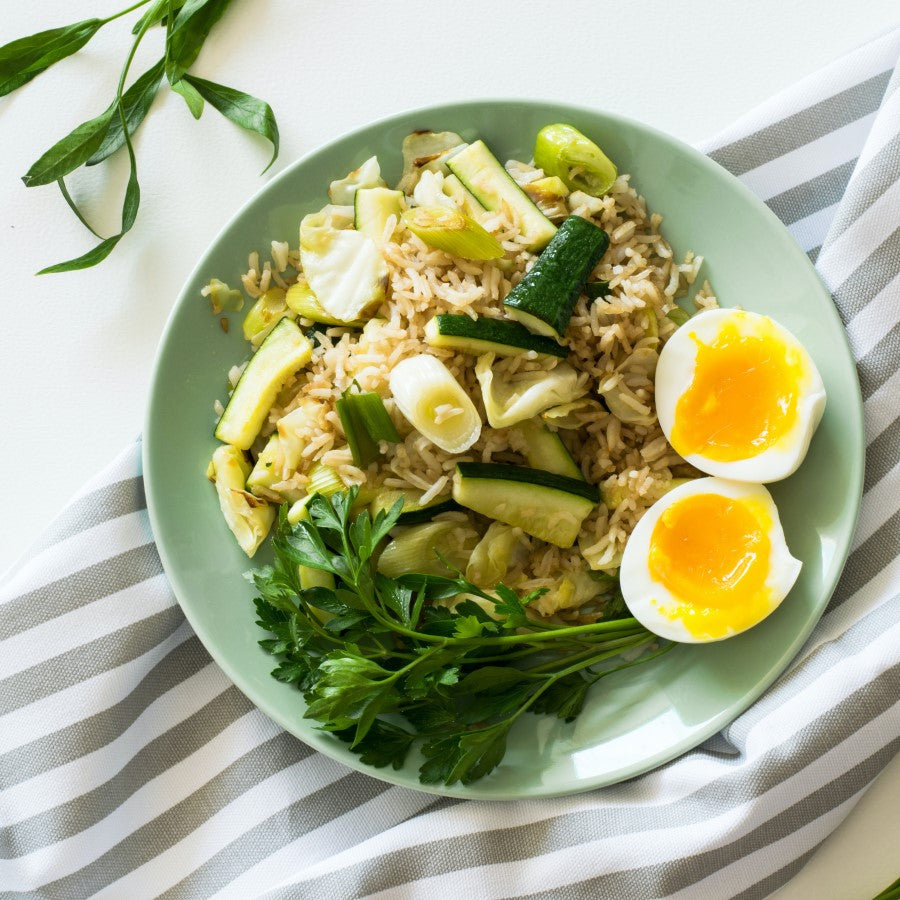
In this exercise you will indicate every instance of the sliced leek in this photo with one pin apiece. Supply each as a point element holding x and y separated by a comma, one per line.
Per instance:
<point>301,300</point>
<point>434,403</point>
<point>433,549</point>
<point>248,517</point>
<point>511,400</point>
<point>564,151</point>
<point>264,315</point>
<point>452,231</point>
<point>324,480</point>
<point>678,315</point>
<point>222,298</point>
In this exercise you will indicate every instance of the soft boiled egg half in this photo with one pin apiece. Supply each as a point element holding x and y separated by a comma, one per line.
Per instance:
<point>707,561</point>
<point>738,396</point>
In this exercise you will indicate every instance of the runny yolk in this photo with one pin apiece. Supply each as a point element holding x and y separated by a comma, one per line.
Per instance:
<point>712,553</point>
<point>743,396</point>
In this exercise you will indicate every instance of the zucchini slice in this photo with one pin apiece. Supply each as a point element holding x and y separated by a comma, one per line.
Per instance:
<point>280,355</point>
<point>485,335</point>
<point>372,207</point>
<point>544,299</point>
<point>491,185</point>
<point>457,192</point>
<point>414,513</point>
<point>545,450</point>
<point>547,506</point>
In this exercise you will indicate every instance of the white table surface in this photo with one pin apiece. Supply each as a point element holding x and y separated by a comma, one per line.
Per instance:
<point>77,349</point>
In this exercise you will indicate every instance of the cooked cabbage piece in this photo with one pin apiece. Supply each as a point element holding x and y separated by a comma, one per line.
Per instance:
<point>248,517</point>
<point>511,399</point>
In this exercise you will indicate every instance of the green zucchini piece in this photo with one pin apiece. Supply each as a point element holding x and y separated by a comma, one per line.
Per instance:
<point>414,513</point>
<point>280,355</point>
<point>457,192</point>
<point>545,450</point>
<point>372,207</point>
<point>544,299</point>
<point>485,335</point>
<point>545,505</point>
<point>491,185</point>
<point>595,289</point>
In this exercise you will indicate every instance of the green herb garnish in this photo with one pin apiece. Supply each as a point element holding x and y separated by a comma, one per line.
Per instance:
<point>384,668</point>
<point>187,24</point>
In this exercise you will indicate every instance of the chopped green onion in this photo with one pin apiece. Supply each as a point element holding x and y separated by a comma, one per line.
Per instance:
<point>324,480</point>
<point>375,418</point>
<point>595,289</point>
<point>301,299</point>
<point>452,231</point>
<point>365,422</point>
<point>678,315</point>
<point>564,151</point>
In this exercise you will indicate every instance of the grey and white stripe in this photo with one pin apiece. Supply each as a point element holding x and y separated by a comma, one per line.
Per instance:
<point>131,767</point>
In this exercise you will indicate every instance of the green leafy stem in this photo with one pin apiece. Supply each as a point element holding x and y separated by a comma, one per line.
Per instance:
<point>187,24</point>
<point>385,664</point>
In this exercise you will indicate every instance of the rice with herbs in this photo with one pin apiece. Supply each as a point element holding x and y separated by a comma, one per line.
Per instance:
<point>613,342</point>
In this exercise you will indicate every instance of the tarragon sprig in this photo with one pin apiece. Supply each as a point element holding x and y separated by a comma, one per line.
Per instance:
<point>187,24</point>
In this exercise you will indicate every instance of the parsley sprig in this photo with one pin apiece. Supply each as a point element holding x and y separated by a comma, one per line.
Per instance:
<point>187,24</point>
<point>384,667</point>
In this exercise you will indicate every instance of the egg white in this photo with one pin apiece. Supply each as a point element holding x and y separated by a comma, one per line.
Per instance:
<point>649,601</point>
<point>675,372</point>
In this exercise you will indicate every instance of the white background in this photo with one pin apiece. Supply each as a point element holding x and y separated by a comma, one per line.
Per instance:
<point>77,349</point>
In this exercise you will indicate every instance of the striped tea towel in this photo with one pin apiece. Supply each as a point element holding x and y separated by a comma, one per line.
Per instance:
<point>130,767</point>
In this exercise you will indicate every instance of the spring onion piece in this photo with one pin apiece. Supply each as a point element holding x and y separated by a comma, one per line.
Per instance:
<point>564,151</point>
<point>265,314</point>
<point>595,289</point>
<point>678,315</point>
<point>524,395</point>
<point>301,300</point>
<point>434,403</point>
<point>451,231</point>
<point>324,480</point>
<point>417,549</point>
<point>365,422</point>
<point>248,517</point>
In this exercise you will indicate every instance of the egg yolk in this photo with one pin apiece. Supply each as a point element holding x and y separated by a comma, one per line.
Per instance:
<point>712,553</point>
<point>743,396</point>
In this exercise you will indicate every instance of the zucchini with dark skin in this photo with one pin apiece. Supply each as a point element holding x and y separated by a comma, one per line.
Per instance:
<point>484,335</point>
<point>595,289</point>
<point>544,299</point>
<point>545,505</point>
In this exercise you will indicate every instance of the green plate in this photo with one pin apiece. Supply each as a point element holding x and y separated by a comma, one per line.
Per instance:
<point>642,717</point>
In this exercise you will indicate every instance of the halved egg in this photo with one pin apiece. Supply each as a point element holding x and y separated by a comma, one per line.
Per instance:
<point>707,561</point>
<point>738,395</point>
